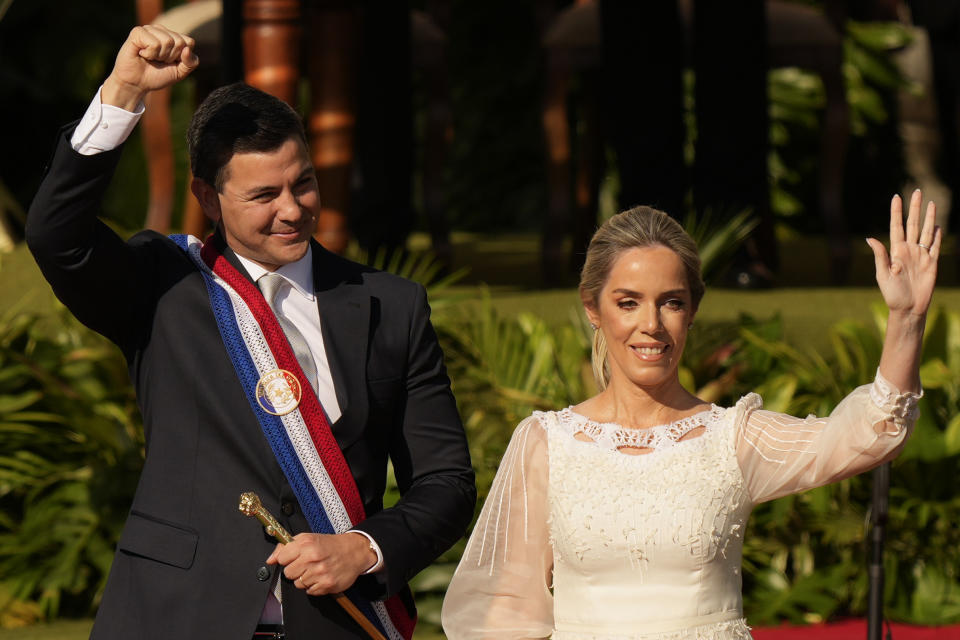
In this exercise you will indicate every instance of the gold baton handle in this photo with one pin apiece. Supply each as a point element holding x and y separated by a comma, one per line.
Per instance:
<point>250,505</point>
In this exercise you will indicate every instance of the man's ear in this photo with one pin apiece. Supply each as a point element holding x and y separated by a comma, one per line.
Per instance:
<point>208,198</point>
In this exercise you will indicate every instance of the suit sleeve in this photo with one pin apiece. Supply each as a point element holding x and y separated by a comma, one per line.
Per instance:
<point>431,462</point>
<point>91,269</point>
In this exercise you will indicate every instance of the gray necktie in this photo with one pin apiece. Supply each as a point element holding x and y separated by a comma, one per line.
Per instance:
<point>271,284</point>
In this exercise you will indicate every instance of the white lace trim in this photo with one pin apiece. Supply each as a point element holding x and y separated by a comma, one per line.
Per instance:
<point>610,435</point>
<point>726,630</point>
<point>901,407</point>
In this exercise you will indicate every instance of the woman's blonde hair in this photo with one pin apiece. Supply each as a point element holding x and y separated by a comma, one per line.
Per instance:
<point>630,229</point>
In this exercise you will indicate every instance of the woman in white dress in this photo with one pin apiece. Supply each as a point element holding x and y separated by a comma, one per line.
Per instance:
<point>623,517</point>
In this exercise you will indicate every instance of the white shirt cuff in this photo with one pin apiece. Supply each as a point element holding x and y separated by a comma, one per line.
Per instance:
<point>103,127</point>
<point>373,547</point>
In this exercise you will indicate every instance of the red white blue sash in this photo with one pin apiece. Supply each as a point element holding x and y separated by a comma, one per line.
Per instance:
<point>302,440</point>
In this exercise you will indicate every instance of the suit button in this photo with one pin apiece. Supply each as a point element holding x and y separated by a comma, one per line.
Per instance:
<point>288,508</point>
<point>263,574</point>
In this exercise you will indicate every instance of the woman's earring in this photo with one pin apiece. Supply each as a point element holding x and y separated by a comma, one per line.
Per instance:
<point>593,326</point>
<point>690,326</point>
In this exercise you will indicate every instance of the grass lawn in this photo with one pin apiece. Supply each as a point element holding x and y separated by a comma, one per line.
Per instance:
<point>807,312</point>
<point>62,630</point>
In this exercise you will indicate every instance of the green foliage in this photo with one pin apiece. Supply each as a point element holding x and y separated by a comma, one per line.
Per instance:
<point>70,448</point>
<point>505,368</point>
<point>718,242</point>
<point>924,504</point>
<point>868,70</point>
<point>422,268</point>
<point>797,100</point>
<point>814,541</point>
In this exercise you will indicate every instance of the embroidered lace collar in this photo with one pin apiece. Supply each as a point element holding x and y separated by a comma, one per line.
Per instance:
<point>614,436</point>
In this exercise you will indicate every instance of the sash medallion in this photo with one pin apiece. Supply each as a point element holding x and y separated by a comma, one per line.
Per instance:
<point>278,392</point>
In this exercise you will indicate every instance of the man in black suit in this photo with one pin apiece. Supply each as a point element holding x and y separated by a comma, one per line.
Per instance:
<point>188,564</point>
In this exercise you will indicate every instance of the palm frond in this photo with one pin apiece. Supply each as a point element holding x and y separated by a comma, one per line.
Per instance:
<point>718,241</point>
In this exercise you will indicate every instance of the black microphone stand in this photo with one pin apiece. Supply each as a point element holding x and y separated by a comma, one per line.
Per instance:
<point>878,518</point>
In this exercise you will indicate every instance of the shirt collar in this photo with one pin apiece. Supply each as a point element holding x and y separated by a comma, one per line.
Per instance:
<point>299,274</point>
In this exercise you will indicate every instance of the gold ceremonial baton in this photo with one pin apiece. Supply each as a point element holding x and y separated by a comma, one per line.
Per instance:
<point>250,505</point>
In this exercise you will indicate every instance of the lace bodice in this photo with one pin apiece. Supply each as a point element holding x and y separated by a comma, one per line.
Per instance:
<point>608,516</point>
<point>579,539</point>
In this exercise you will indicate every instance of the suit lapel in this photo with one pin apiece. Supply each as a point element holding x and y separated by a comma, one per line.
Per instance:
<point>345,322</point>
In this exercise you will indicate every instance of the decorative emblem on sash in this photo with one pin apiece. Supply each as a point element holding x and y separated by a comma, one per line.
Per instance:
<point>278,392</point>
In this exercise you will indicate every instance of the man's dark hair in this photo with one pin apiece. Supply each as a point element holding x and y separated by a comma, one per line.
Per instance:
<point>237,119</point>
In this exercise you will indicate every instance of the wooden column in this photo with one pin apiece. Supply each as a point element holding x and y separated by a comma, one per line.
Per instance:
<point>332,66</point>
<point>271,46</point>
<point>157,144</point>
<point>556,128</point>
<point>589,156</point>
<point>571,39</point>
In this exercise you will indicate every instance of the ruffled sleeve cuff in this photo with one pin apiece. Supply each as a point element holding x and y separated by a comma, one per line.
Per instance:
<point>900,407</point>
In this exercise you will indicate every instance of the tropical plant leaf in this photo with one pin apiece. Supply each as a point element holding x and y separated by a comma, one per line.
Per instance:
<point>718,242</point>
<point>936,597</point>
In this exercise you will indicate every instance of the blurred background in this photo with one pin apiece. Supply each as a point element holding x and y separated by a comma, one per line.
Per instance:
<point>445,124</point>
<point>475,146</point>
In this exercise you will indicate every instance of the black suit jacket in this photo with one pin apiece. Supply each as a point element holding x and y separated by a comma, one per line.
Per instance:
<point>188,563</point>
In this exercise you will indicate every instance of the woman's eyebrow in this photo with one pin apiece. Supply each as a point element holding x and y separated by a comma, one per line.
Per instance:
<point>631,292</point>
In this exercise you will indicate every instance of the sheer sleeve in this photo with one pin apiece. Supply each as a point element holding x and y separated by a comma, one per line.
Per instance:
<point>780,454</point>
<point>501,588</point>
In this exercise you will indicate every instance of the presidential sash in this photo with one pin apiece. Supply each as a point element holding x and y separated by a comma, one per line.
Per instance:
<point>296,428</point>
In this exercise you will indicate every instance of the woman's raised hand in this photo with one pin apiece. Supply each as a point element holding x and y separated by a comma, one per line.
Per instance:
<point>908,273</point>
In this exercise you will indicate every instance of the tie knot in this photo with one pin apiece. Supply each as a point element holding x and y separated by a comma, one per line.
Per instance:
<point>270,285</point>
